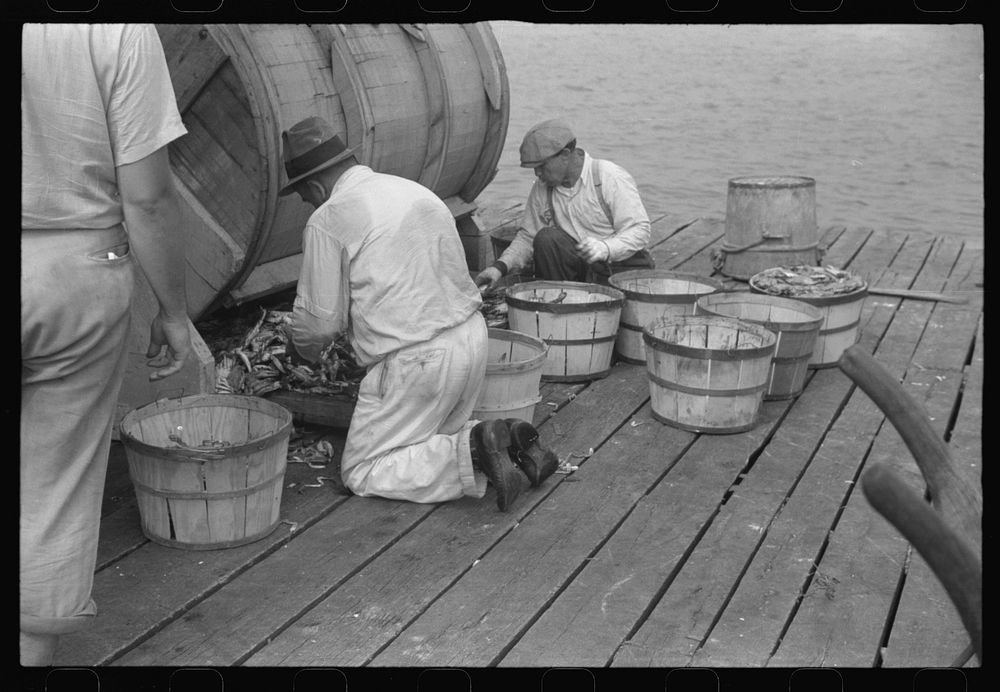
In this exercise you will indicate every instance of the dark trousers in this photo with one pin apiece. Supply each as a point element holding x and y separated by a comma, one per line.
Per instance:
<point>555,259</point>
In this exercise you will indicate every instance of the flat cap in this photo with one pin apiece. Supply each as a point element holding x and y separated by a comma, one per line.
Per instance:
<point>544,140</point>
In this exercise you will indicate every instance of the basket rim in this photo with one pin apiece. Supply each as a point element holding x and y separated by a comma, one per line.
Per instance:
<point>658,343</point>
<point>527,339</point>
<point>835,299</point>
<point>616,297</point>
<point>168,404</point>
<point>772,181</point>
<point>814,321</point>
<point>616,279</point>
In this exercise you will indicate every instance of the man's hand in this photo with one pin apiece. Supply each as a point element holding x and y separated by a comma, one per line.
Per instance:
<point>169,345</point>
<point>487,279</point>
<point>290,351</point>
<point>591,250</point>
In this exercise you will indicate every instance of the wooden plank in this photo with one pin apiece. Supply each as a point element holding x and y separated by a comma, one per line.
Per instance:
<point>846,606</point>
<point>687,242</point>
<point>328,410</point>
<point>682,618</point>
<point>267,278</point>
<point>471,624</point>
<point>866,555</point>
<point>555,396</point>
<point>371,609</point>
<point>665,226</point>
<point>602,604</point>
<point>153,585</point>
<point>212,256</point>
<point>234,621</point>
<point>193,57</point>
<point>754,618</point>
<point>925,619</point>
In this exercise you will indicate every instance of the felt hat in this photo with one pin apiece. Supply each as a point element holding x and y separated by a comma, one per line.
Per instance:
<point>309,146</point>
<point>543,140</point>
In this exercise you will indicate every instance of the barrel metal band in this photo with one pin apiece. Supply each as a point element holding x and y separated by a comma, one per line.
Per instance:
<point>705,392</point>
<point>581,342</point>
<point>736,249</point>
<point>205,495</point>
<point>791,359</point>
<point>842,328</point>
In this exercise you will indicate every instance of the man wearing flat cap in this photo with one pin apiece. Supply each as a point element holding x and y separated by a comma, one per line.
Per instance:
<point>383,263</point>
<point>583,220</point>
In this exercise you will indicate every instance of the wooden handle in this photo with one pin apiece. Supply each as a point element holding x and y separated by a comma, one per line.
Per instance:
<point>952,561</point>
<point>916,295</point>
<point>960,503</point>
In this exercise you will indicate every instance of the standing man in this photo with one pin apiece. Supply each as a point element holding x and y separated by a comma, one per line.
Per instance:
<point>97,112</point>
<point>583,220</point>
<point>382,262</point>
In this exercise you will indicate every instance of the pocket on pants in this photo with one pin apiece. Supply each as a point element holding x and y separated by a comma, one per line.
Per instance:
<point>118,253</point>
<point>413,373</point>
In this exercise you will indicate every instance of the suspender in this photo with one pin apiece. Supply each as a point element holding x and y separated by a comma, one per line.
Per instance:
<point>595,175</point>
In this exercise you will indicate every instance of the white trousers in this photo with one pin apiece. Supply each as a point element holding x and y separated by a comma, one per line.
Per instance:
<point>409,435</point>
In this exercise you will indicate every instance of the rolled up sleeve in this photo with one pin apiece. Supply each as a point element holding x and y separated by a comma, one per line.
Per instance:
<point>322,300</point>
<point>631,222</point>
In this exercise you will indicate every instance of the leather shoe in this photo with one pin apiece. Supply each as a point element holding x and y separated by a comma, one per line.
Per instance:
<point>535,461</point>
<point>488,443</point>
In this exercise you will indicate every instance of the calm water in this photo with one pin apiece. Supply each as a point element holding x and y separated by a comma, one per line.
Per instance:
<point>888,119</point>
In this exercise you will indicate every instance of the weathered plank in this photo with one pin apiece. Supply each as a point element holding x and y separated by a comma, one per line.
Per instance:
<point>473,622</point>
<point>865,554</point>
<point>193,57</point>
<point>684,614</point>
<point>555,395</point>
<point>926,628</point>
<point>688,242</point>
<point>147,588</point>
<point>329,410</point>
<point>753,621</point>
<point>370,610</point>
<point>682,618</point>
<point>239,618</point>
<point>587,621</point>
<point>666,226</point>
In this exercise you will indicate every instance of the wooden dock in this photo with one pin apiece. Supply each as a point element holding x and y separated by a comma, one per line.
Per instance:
<point>665,549</point>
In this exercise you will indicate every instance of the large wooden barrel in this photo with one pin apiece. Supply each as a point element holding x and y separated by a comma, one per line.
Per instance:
<point>770,221</point>
<point>428,102</point>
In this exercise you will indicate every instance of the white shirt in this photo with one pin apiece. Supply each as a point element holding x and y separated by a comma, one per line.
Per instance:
<point>382,257</point>
<point>93,97</point>
<point>578,211</point>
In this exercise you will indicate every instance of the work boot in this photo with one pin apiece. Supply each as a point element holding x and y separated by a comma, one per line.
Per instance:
<point>535,461</point>
<point>488,443</point>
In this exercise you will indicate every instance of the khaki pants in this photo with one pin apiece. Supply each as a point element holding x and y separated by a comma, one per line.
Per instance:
<point>409,435</point>
<point>74,323</point>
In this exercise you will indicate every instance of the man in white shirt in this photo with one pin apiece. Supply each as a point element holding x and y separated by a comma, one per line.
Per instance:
<point>583,220</point>
<point>383,263</point>
<point>97,112</point>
